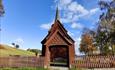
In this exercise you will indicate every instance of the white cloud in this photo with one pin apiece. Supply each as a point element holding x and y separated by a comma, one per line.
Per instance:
<point>93,11</point>
<point>72,7</point>
<point>19,41</point>
<point>105,0</point>
<point>46,26</point>
<point>73,11</point>
<point>69,15</point>
<point>76,25</point>
<point>77,8</point>
<point>77,42</point>
<point>65,20</point>
<point>70,33</point>
<point>65,2</point>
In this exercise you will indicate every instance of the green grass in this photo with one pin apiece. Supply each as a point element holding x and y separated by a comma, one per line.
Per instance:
<point>25,68</point>
<point>6,50</point>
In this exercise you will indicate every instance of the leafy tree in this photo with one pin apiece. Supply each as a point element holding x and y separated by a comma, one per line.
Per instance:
<point>1,11</point>
<point>1,8</point>
<point>87,44</point>
<point>36,51</point>
<point>15,45</point>
<point>105,37</point>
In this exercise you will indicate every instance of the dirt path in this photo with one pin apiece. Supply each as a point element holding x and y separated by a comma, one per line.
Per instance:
<point>58,68</point>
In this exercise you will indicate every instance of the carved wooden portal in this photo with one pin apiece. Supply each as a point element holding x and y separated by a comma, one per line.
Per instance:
<point>59,55</point>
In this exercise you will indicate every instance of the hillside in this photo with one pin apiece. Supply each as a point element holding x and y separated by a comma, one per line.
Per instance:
<point>6,50</point>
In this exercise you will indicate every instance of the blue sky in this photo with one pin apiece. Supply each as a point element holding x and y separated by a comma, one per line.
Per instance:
<point>27,22</point>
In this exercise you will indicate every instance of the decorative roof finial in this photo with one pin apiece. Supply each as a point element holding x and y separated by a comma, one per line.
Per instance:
<point>57,14</point>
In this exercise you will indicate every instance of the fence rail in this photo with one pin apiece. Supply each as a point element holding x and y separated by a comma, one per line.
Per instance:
<point>21,61</point>
<point>94,61</point>
<point>79,62</point>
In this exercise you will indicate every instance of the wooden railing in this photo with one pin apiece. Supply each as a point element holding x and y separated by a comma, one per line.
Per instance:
<point>21,61</point>
<point>94,61</point>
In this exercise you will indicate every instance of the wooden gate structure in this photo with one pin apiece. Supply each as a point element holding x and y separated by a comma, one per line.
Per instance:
<point>58,47</point>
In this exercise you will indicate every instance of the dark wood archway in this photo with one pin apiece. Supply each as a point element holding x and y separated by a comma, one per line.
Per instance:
<point>59,55</point>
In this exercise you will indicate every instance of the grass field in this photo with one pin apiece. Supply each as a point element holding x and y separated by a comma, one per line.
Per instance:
<point>6,50</point>
<point>27,68</point>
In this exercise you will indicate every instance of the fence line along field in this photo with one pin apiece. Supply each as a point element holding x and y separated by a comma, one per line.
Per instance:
<point>6,50</point>
<point>21,61</point>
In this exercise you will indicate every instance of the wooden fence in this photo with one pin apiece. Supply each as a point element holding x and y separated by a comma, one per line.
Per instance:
<point>21,61</point>
<point>95,61</point>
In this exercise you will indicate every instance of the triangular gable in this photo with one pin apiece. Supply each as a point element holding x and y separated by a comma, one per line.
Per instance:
<point>57,26</point>
<point>58,39</point>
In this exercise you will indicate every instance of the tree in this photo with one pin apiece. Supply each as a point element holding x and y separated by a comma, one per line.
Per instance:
<point>105,37</point>
<point>87,45</point>
<point>1,11</point>
<point>1,8</point>
<point>36,51</point>
<point>15,45</point>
